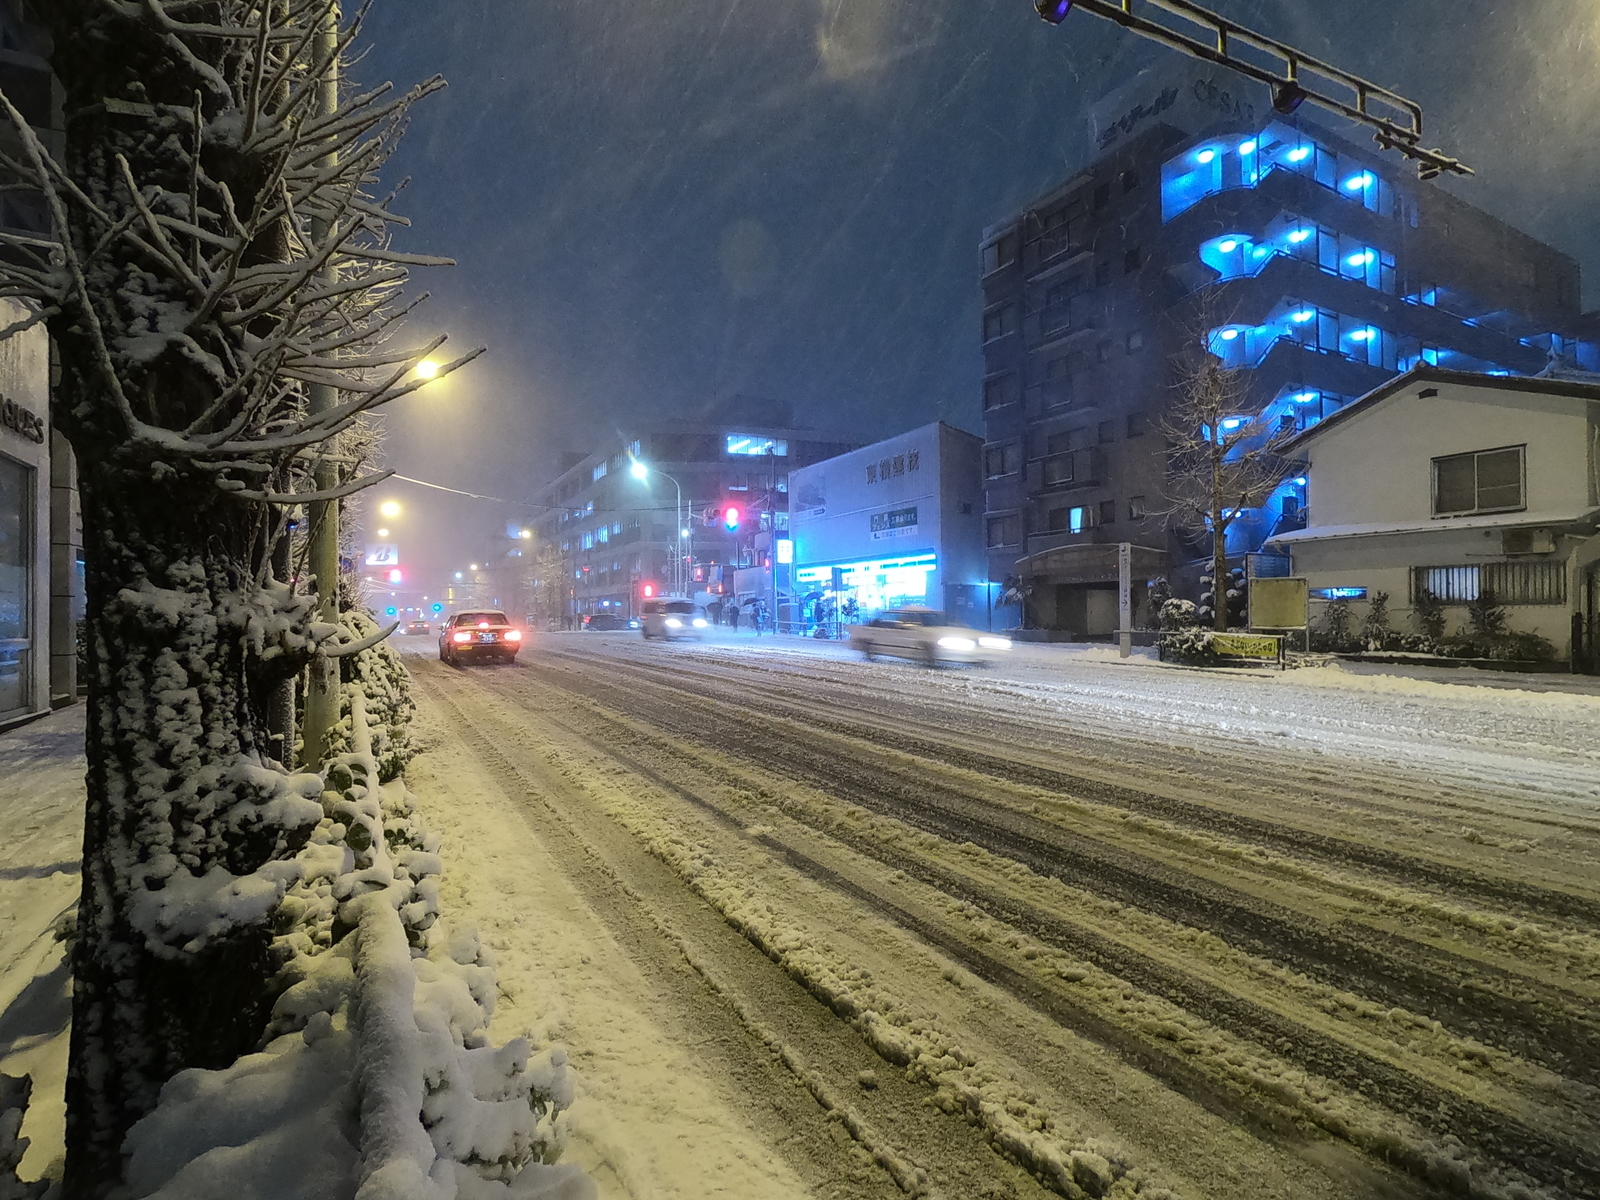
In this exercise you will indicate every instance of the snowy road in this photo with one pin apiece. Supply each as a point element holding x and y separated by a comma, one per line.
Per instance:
<point>1067,927</point>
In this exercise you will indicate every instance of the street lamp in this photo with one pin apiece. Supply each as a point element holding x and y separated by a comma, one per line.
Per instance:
<point>680,576</point>
<point>389,508</point>
<point>427,369</point>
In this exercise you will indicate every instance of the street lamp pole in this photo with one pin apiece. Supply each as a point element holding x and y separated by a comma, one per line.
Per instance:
<point>322,689</point>
<point>641,471</point>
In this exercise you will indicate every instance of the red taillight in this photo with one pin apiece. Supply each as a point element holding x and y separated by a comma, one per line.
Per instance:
<point>460,637</point>
<point>513,635</point>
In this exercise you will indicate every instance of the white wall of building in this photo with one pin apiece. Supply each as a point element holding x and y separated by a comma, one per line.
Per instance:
<point>1376,465</point>
<point>915,499</point>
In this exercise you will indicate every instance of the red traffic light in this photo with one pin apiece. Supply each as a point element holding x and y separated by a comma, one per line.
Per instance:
<point>649,590</point>
<point>730,518</point>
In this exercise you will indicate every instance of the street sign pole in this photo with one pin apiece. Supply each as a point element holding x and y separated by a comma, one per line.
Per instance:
<point>1125,598</point>
<point>322,690</point>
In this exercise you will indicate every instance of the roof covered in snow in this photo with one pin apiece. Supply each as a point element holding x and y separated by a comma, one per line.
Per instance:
<point>1426,374</point>
<point>1510,520</point>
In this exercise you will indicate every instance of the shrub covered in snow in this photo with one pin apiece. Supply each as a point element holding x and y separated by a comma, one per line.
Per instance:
<point>1178,614</point>
<point>1191,645</point>
<point>385,687</point>
<point>376,1079</point>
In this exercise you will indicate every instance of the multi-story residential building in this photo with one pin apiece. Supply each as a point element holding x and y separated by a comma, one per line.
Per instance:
<point>1320,267</point>
<point>611,533</point>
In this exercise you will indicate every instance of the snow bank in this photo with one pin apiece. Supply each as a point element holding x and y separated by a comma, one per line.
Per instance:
<point>377,1081</point>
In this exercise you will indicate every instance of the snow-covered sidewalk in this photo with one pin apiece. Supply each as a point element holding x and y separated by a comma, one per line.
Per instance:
<point>41,810</point>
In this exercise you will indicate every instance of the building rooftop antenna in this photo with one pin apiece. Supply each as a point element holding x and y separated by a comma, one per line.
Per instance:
<point>1293,76</point>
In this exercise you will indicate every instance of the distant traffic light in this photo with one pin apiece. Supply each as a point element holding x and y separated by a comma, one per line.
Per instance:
<point>648,590</point>
<point>730,518</point>
<point>390,610</point>
<point>437,609</point>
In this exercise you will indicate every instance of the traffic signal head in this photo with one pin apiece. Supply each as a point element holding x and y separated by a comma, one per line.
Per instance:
<point>437,609</point>
<point>648,590</point>
<point>390,610</point>
<point>730,518</point>
<point>1054,11</point>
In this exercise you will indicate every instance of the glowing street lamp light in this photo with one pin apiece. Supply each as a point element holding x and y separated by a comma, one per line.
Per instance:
<point>428,369</point>
<point>389,508</point>
<point>641,471</point>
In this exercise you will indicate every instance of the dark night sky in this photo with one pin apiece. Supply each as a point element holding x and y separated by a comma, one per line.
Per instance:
<point>658,202</point>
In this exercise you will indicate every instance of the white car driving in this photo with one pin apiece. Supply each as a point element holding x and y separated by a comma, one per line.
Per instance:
<point>670,618</point>
<point>926,635</point>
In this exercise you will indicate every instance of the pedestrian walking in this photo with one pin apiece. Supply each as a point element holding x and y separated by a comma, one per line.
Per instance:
<point>733,617</point>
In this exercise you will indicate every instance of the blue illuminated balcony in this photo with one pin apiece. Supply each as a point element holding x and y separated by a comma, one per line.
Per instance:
<point>1243,160</point>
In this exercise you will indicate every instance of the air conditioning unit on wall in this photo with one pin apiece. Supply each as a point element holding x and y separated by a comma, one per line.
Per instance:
<point>1527,541</point>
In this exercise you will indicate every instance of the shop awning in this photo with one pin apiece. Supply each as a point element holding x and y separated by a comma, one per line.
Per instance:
<point>1089,562</point>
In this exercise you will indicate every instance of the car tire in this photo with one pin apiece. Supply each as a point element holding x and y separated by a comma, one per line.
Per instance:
<point>930,655</point>
<point>868,651</point>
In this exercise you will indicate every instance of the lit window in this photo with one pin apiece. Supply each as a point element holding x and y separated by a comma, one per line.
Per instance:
<point>599,471</point>
<point>750,445</point>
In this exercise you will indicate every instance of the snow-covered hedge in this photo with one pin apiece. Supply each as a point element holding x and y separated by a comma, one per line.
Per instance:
<point>376,1080</point>
<point>381,679</point>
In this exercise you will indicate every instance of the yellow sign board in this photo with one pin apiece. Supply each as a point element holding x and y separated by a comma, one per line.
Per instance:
<point>1245,645</point>
<point>1278,603</point>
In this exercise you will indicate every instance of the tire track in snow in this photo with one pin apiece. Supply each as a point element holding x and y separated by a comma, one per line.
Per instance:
<point>964,1158</point>
<point>1210,818</point>
<point>1497,1136</point>
<point>1474,998</point>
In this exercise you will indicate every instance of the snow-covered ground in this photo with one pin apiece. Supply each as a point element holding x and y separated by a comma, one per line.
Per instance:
<point>1141,929</point>
<point>1068,925</point>
<point>41,811</point>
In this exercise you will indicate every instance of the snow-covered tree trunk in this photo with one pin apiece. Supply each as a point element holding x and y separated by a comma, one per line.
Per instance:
<point>171,965</point>
<point>187,290</point>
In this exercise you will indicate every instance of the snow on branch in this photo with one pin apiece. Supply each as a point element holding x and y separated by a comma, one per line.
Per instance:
<point>208,245</point>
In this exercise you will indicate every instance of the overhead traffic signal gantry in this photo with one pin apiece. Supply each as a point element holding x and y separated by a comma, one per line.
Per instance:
<point>1293,76</point>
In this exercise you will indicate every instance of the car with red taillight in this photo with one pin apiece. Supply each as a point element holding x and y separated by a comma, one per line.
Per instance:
<point>481,635</point>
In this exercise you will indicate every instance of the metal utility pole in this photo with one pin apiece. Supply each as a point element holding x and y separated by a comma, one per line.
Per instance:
<point>322,689</point>
<point>1294,77</point>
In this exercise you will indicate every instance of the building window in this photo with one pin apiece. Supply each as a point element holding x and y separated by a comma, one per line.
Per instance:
<point>1102,273</point>
<point>1075,519</point>
<point>1107,432</point>
<point>1132,261</point>
<point>1002,389</point>
<point>746,445</point>
<point>998,322</point>
<point>1001,460</point>
<point>1483,481</point>
<point>1531,582</point>
<point>1136,509</point>
<point>1136,424</point>
<point>599,471</point>
<point>1108,511</point>
<point>1000,253</point>
<point>1134,342</point>
<point>1005,531</point>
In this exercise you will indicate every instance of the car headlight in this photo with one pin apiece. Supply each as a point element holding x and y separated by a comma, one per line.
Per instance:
<point>673,623</point>
<point>700,622</point>
<point>994,643</point>
<point>957,643</point>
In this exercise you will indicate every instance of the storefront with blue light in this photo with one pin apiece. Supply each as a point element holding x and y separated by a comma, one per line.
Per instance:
<point>892,525</point>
